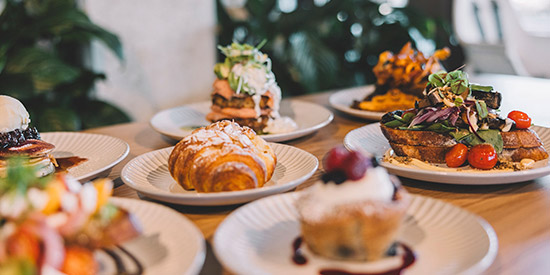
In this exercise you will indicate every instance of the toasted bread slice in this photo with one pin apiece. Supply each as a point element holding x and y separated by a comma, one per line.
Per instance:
<point>424,138</point>
<point>431,147</point>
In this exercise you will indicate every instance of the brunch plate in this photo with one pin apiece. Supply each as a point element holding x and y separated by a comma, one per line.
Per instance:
<point>101,152</point>
<point>179,122</point>
<point>258,238</point>
<point>370,140</point>
<point>170,243</point>
<point>342,101</point>
<point>149,175</point>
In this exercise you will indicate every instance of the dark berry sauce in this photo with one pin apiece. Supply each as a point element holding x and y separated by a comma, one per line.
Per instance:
<point>297,256</point>
<point>18,137</point>
<point>408,259</point>
<point>63,164</point>
<point>119,263</point>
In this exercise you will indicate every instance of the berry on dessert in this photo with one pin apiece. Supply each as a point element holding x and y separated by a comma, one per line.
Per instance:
<point>246,92</point>
<point>355,212</point>
<point>18,139</point>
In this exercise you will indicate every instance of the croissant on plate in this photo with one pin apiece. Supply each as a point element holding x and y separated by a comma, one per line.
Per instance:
<point>222,157</point>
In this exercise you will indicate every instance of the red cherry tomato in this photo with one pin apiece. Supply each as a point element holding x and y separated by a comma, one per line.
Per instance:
<point>483,156</point>
<point>457,155</point>
<point>523,121</point>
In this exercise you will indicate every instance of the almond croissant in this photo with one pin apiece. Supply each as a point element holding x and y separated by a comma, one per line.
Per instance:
<point>222,157</point>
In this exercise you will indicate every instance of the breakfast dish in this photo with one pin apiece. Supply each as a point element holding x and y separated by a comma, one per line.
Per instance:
<point>445,238</point>
<point>170,243</point>
<point>246,92</point>
<point>148,174</point>
<point>342,101</point>
<point>54,224</point>
<point>370,140</point>
<point>400,79</point>
<point>18,139</point>
<point>221,157</point>
<point>179,122</point>
<point>458,121</point>
<point>101,152</point>
<point>355,212</point>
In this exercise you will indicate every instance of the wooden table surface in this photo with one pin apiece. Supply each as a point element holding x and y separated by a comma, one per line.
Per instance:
<point>519,213</point>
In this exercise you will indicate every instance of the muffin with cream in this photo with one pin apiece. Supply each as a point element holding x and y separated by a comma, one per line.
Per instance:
<point>355,212</point>
<point>18,139</point>
<point>246,92</point>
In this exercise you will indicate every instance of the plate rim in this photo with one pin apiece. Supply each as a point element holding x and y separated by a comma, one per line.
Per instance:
<point>216,198</point>
<point>328,117</point>
<point>96,172</point>
<point>200,256</point>
<point>482,264</point>
<point>452,177</point>
<point>345,108</point>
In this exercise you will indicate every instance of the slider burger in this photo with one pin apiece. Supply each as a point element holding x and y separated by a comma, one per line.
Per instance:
<point>18,139</point>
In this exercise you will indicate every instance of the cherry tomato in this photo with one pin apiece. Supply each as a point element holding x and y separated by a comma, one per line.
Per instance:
<point>523,121</point>
<point>483,156</point>
<point>457,155</point>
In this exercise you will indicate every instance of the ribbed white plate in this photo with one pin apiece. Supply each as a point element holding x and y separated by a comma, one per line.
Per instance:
<point>257,239</point>
<point>149,175</point>
<point>170,243</point>
<point>342,100</point>
<point>102,152</point>
<point>369,139</point>
<point>179,122</point>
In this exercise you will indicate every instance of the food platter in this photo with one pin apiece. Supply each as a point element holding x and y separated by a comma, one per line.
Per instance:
<point>149,175</point>
<point>102,152</point>
<point>179,122</point>
<point>257,239</point>
<point>170,243</point>
<point>343,99</point>
<point>370,140</point>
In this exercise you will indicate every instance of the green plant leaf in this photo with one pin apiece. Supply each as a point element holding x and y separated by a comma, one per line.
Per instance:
<point>57,119</point>
<point>45,69</point>
<point>490,136</point>
<point>314,63</point>
<point>96,113</point>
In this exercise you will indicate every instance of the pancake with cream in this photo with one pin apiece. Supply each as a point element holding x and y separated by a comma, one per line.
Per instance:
<point>18,139</point>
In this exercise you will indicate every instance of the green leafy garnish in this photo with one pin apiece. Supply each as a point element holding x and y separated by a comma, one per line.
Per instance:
<point>476,87</point>
<point>458,81</point>
<point>20,177</point>
<point>250,61</point>
<point>437,79</point>
<point>490,136</point>
<point>481,108</point>
<point>459,101</point>
<point>440,128</point>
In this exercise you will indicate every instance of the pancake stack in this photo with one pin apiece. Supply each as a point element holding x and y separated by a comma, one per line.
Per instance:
<point>17,139</point>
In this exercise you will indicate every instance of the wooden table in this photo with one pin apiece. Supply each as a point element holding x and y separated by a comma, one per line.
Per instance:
<point>519,213</point>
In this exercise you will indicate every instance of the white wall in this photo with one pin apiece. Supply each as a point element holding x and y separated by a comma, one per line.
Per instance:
<point>169,49</point>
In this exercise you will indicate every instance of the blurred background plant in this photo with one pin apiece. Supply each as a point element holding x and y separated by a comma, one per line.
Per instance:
<point>43,47</point>
<point>317,45</point>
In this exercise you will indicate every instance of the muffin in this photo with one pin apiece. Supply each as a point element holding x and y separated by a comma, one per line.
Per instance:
<point>355,212</point>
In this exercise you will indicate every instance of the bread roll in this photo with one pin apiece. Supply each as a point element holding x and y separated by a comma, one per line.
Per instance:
<point>222,157</point>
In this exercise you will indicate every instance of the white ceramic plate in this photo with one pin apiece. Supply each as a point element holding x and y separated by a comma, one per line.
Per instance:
<point>170,243</point>
<point>343,99</point>
<point>369,139</point>
<point>102,152</point>
<point>149,175</point>
<point>257,239</point>
<point>179,122</point>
